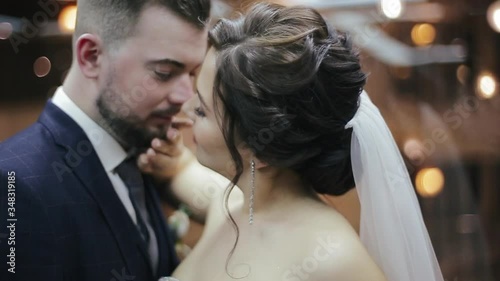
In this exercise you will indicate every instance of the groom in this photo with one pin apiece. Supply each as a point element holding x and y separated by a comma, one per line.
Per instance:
<point>73,202</point>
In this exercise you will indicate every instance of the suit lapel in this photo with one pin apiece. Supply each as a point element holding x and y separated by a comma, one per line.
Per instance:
<point>83,161</point>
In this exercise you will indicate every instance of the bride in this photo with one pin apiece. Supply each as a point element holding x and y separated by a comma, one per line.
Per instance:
<point>280,112</point>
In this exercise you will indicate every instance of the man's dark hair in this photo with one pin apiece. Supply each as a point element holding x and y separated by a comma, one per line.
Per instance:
<point>115,20</point>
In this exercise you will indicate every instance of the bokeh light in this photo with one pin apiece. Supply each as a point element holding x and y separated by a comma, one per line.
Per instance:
<point>463,73</point>
<point>413,149</point>
<point>391,8</point>
<point>486,86</point>
<point>423,34</point>
<point>42,66</point>
<point>429,182</point>
<point>493,16</point>
<point>67,19</point>
<point>5,30</point>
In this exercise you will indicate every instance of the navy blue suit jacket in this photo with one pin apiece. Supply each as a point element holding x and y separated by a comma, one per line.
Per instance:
<point>66,221</point>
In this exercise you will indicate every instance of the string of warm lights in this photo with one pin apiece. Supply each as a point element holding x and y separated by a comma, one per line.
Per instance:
<point>424,34</point>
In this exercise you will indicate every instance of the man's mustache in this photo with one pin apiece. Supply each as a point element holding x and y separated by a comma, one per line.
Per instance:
<point>167,112</point>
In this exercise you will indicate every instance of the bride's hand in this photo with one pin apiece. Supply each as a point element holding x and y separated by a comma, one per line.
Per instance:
<point>167,158</point>
<point>193,184</point>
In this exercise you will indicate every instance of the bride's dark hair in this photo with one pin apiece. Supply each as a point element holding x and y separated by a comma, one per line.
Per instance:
<point>288,83</point>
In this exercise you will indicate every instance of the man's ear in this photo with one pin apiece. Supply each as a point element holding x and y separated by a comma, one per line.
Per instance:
<point>88,48</point>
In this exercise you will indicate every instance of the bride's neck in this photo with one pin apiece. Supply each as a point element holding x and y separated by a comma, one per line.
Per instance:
<point>275,190</point>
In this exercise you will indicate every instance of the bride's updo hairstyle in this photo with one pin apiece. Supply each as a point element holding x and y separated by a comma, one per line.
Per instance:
<point>288,84</point>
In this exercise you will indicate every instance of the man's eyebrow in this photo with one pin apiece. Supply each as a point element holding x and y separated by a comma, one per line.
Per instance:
<point>168,61</point>
<point>201,99</point>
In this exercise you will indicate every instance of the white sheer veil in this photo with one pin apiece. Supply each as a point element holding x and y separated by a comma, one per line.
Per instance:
<point>392,227</point>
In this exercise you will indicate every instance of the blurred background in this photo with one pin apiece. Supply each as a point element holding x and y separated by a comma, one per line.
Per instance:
<point>433,68</point>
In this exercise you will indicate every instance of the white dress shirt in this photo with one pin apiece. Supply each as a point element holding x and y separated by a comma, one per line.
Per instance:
<point>110,152</point>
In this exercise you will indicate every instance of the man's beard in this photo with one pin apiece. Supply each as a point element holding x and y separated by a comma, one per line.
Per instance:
<point>128,129</point>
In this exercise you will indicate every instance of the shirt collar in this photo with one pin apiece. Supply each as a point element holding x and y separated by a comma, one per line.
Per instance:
<point>109,151</point>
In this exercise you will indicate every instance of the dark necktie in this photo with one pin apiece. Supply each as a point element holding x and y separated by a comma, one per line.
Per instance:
<point>131,176</point>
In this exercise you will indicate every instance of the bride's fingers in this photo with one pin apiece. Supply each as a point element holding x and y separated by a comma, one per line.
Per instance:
<point>178,123</point>
<point>144,164</point>
<point>161,166</point>
<point>172,149</point>
<point>173,136</point>
<point>181,122</point>
<point>156,165</point>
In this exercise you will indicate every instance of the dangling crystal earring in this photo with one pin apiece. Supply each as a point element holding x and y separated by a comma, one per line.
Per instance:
<point>252,193</point>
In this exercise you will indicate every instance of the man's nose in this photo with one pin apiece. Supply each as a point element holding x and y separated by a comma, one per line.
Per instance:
<point>188,108</point>
<point>183,90</point>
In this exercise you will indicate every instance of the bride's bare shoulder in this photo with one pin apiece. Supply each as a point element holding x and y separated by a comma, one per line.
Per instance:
<point>341,256</point>
<point>335,255</point>
<point>335,250</point>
